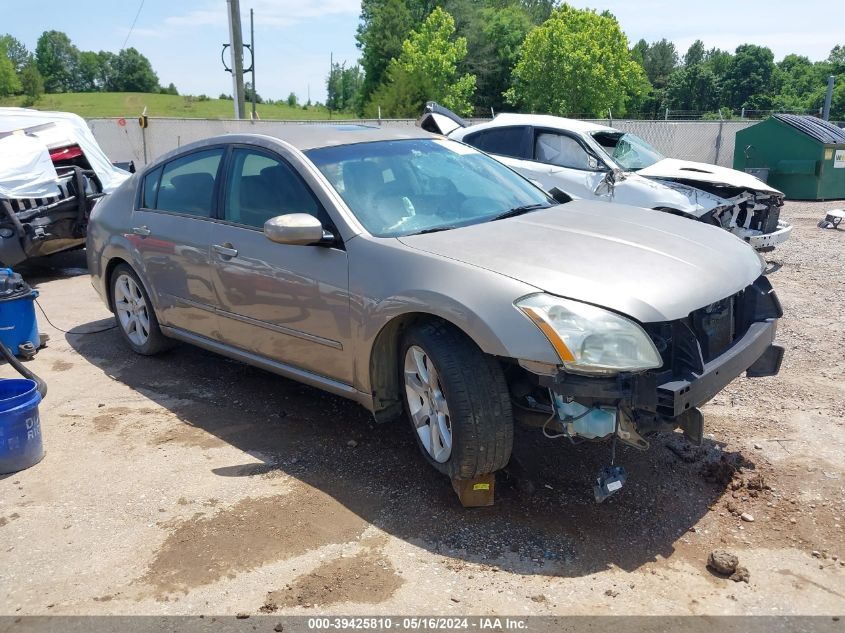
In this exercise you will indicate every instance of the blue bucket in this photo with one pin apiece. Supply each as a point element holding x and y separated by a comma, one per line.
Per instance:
<point>20,428</point>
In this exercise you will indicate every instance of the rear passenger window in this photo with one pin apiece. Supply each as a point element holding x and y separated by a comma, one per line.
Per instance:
<point>148,200</point>
<point>506,141</point>
<point>187,184</point>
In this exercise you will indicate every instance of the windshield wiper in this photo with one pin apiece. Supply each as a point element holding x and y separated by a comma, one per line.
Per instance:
<point>510,213</point>
<point>436,229</point>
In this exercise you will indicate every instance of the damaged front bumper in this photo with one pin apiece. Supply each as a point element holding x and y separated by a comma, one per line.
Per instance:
<point>767,241</point>
<point>702,354</point>
<point>40,227</point>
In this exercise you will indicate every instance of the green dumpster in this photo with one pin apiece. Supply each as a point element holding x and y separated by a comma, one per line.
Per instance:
<point>803,156</point>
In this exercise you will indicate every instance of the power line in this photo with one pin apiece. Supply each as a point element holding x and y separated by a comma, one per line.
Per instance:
<point>131,28</point>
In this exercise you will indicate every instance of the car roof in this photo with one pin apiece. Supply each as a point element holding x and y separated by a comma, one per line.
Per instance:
<point>304,137</point>
<point>548,121</point>
<point>312,136</point>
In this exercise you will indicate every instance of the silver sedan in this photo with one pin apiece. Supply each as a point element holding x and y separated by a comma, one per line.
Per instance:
<point>422,279</point>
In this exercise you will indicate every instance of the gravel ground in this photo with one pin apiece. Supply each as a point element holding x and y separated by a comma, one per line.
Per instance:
<point>190,484</point>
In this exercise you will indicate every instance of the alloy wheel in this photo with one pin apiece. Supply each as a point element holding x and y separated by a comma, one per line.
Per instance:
<point>427,404</point>
<point>132,310</point>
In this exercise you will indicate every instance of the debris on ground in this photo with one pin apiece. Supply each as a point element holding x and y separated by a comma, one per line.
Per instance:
<point>722,562</point>
<point>269,607</point>
<point>741,574</point>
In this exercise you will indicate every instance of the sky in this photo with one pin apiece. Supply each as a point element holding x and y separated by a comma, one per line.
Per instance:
<point>295,38</point>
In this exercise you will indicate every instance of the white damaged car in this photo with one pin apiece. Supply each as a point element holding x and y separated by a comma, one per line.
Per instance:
<point>596,162</point>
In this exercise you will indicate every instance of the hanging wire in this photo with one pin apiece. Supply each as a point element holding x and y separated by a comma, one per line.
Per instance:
<point>132,28</point>
<point>105,329</point>
<point>565,421</point>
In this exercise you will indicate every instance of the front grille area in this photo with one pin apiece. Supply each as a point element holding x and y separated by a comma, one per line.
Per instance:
<point>715,327</point>
<point>770,224</point>
<point>687,344</point>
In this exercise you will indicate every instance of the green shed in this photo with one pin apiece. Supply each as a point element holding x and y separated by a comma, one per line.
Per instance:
<point>804,156</point>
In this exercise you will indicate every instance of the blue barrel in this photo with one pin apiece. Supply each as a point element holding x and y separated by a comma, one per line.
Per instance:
<point>18,325</point>
<point>20,428</point>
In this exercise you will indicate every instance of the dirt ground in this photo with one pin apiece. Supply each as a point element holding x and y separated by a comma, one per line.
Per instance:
<point>190,484</point>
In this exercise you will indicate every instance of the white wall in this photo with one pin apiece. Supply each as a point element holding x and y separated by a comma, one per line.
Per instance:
<point>122,139</point>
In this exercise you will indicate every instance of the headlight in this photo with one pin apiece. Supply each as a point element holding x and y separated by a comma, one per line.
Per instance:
<point>590,340</point>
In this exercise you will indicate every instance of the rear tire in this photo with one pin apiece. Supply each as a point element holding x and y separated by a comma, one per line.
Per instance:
<point>457,401</point>
<point>134,314</point>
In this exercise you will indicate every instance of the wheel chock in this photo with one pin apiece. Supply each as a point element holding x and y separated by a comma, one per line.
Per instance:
<point>475,493</point>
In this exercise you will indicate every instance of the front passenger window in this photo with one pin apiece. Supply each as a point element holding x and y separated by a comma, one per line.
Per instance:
<point>563,151</point>
<point>262,187</point>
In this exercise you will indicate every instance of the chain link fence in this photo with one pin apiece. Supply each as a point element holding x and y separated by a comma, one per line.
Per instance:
<point>123,140</point>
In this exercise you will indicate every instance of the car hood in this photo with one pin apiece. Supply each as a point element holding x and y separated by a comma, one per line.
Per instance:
<point>646,264</point>
<point>673,169</point>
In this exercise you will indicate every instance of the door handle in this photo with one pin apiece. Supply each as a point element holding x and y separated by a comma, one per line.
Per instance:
<point>225,250</point>
<point>143,231</point>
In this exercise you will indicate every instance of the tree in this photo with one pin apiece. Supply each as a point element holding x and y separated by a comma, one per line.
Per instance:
<point>32,83</point>
<point>638,52</point>
<point>836,59</point>
<point>695,54</point>
<point>659,60</point>
<point>106,80</point>
<point>429,59</point>
<point>133,72</point>
<point>719,61</point>
<point>15,51</point>
<point>383,26</point>
<point>248,94</point>
<point>401,95</point>
<point>494,36</point>
<point>334,87</point>
<point>576,62</point>
<point>58,61</point>
<point>538,10</point>
<point>795,78</point>
<point>292,100</point>
<point>9,82</point>
<point>343,88</point>
<point>694,88</point>
<point>88,72</point>
<point>748,80</point>
<point>169,90</point>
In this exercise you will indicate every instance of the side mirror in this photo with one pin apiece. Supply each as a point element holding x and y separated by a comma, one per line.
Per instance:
<point>295,228</point>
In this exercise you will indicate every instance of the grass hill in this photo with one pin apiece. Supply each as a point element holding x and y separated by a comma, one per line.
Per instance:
<point>91,105</point>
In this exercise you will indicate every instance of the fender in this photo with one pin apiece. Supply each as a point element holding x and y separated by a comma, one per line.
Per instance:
<point>387,292</point>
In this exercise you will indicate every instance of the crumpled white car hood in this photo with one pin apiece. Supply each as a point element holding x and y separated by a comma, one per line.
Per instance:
<point>672,168</point>
<point>55,129</point>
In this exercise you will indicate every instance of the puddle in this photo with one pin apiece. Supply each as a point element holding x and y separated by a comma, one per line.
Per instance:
<point>247,535</point>
<point>366,578</point>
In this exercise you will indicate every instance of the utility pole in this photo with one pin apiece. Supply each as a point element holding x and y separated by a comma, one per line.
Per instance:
<point>252,53</point>
<point>828,98</point>
<point>331,72</point>
<point>237,54</point>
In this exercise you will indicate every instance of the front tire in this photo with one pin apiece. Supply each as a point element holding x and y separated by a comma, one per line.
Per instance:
<point>134,313</point>
<point>457,400</point>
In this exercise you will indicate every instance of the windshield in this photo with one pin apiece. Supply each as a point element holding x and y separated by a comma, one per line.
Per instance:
<point>411,186</point>
<point>628,150</point>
